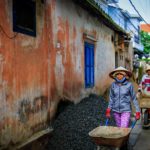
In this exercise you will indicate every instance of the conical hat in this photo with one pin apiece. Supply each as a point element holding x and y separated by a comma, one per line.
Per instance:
<point>120,69</point>
<point>148,68</point>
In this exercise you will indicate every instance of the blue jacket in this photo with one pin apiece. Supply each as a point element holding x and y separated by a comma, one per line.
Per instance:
<point>120,97</point>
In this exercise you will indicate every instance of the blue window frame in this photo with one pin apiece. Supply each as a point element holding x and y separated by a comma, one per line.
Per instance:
<point>89,64</point>
<point>24,17</point>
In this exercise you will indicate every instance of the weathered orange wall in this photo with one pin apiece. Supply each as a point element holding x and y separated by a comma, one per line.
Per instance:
<point>36,72</point>
<point>24,85</point>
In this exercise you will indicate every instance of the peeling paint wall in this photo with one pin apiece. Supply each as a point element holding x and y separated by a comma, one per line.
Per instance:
<point>36,72</point>
<point>72,22</point>
<point>24,99</point>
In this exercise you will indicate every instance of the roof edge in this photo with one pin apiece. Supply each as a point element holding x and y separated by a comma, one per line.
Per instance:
<point>96,10</point>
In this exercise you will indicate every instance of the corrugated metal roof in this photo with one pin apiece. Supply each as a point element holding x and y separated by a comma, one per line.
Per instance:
<point>94,9</point>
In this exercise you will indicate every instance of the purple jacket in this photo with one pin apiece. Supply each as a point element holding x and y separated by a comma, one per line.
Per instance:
<point>120,97</point>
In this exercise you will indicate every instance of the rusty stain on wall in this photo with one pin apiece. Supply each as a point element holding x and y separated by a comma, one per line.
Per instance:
<point>26,108</point>
<point>36,72</point>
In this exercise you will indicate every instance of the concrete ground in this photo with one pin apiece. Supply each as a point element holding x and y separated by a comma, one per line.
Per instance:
<point>140,138</point>
<point>143,141</point>
<point>135,134</point>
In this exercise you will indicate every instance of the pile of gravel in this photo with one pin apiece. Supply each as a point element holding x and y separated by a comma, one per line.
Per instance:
<point>72,126</point>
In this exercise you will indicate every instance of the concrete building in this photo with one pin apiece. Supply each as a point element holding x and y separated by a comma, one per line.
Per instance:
<point>130,23</point>
<point>50,51</point>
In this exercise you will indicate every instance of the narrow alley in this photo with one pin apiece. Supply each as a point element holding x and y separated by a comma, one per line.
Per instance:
<point>55,62</point>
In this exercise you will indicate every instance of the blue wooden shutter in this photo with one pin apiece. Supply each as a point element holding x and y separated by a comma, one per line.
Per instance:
<point>89,65</point>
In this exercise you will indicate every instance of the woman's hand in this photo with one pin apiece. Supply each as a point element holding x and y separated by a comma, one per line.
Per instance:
<point>138,114</point>
<point>108,112</point>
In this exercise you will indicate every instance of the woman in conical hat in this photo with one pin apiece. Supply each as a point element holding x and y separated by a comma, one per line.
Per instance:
<point>121,70</point>
<point>121,94</point>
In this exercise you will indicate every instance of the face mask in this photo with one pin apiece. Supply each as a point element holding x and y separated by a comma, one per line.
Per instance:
<point>121,81</point>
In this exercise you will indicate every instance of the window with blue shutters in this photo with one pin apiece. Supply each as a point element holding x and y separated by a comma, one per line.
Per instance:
<point>89,64</point>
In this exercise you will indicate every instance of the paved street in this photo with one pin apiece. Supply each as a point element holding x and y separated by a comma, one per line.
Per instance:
<point>140,138</point>
<point>143,142</point>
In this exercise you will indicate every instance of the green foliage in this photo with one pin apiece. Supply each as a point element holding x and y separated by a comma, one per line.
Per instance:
<point>145,59</point>
<point>140,73</point>
<point>145,39</point>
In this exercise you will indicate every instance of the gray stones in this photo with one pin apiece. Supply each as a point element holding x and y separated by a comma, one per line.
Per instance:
<point>71,127</point>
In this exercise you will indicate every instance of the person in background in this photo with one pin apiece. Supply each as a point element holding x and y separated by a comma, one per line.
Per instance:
<point>121,94</point>
<point>145,82</point>
<point>144,86</point>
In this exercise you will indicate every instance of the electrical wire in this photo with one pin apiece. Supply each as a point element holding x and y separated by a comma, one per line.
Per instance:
<point>139,13</point>
<point>118,16</point>
<point>143,7</point>
<point>125,16</point>
<point>10,37</point>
